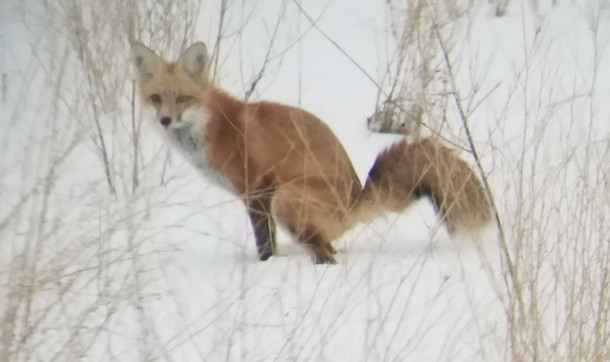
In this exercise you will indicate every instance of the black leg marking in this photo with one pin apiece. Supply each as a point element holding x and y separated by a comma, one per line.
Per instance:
<point>259,211</point>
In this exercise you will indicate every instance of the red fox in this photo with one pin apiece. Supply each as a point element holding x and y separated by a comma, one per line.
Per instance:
<point>287,165</point>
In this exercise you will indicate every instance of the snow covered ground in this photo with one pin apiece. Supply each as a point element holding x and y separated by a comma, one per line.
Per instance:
<point>169,272</point>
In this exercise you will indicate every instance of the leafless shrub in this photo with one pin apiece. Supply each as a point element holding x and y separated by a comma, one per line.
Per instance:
<point>81,75</point>
<point>416,82</point>
<point>554,235</point>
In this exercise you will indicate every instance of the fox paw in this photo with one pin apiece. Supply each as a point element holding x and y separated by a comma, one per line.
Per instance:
<point>324,260</point>
<point>265,252</point>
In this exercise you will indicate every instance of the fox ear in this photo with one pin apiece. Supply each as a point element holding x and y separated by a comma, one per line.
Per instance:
<point>145,61</point>
<point>195,62</point>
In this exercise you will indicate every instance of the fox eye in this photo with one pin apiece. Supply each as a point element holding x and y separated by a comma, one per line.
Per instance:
<point>184,98</point>
<point>155,98</point>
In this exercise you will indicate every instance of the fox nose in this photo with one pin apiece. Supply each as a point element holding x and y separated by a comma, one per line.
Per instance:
<point>165,121</point>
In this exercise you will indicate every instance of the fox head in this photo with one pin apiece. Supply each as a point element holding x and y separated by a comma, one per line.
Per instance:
<point>172,88</point>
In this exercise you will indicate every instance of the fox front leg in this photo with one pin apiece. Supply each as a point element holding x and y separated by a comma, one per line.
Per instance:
<point>259,211</point>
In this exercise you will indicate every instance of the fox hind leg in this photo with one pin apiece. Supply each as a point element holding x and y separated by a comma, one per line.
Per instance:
<point>321,248</point>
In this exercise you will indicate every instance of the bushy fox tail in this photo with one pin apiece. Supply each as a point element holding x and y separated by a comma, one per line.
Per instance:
<point>405,172</point>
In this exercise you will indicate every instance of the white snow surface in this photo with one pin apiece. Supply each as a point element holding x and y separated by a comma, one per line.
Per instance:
<point>170,272</point>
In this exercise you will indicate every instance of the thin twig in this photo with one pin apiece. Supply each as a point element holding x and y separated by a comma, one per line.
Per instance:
<point>260,73</point>
<point>339,48</point>
<point>219,36</point>
<point>135,131</point>
<point>473,150</point>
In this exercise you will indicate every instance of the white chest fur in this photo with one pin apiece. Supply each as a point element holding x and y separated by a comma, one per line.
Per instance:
<point>188,134</point>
